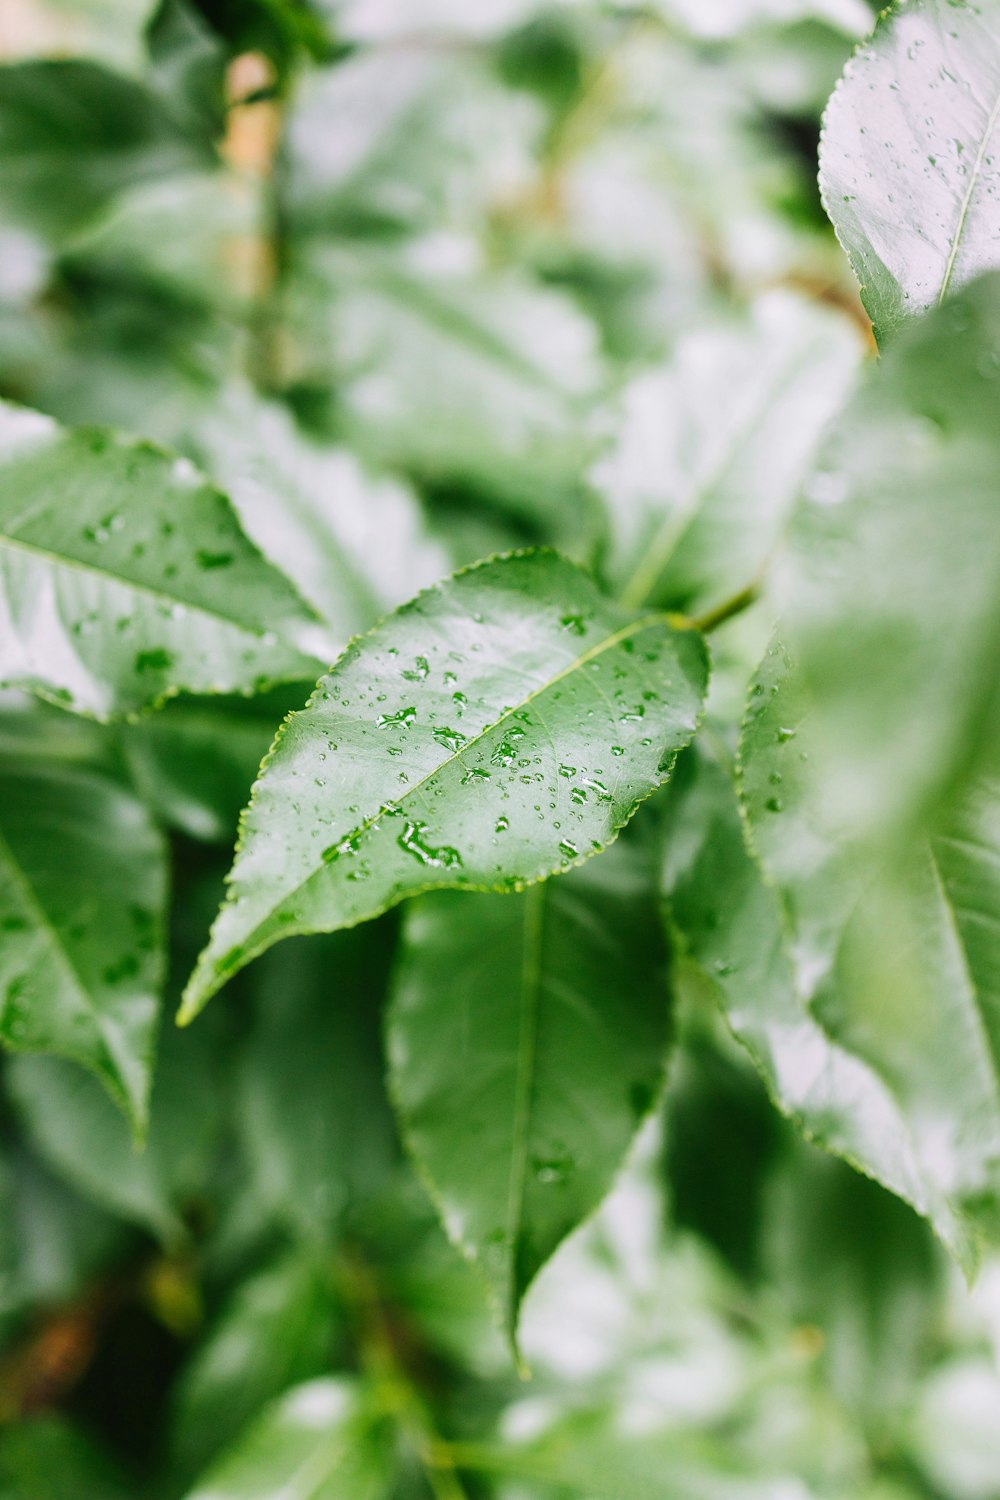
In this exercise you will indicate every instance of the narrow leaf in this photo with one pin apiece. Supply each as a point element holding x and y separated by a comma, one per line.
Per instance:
<point>526,1040</point>
<point>124,576</point>
<point>499,728</point>
<point>908,159</point>
<point>83,888</point>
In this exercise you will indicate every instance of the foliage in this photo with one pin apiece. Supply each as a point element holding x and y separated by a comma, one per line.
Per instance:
<point>444,455</point>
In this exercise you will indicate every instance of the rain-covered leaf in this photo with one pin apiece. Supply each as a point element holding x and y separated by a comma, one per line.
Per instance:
<point>539,1024</point>
<point>83,889</point>
<point>908,165</point>
<point>892,582</point>
<point>317,1442</point>
<point>495,730</point>
<point>144,587</point>
<point>713,447</point>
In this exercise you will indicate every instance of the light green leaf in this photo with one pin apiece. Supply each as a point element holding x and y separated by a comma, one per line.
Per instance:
<point>354,543</point>
<point>83,890</point>
<point>497,729</point>
<point>526,1040</point>
<point>713,448</point>
<point>892,580</point>
<point>908,160</point>
<point>142,585</point>
<point>516,372</point>
<point>316,1443</point>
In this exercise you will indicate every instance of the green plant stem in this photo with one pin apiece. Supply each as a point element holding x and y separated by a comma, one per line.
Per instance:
<point>727,610</point>
<point>399,1396</point>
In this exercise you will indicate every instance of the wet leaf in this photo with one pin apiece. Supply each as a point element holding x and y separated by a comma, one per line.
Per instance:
<point>499,728</point>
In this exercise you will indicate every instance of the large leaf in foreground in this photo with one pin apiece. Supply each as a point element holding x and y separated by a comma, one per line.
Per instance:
<point>82,894</point>
<point>892,581</point>
<point>908,161</point>
<point>124,576</point>
<point>500,727</point>
<point>526,1040</point>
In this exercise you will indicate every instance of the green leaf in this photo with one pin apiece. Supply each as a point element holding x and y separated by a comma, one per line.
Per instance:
<point>516,374</point>
<point>526,1040</point>
<point>46,1458</point>
<point>143,587</point>
<point>85,1139</point>
<point>713,447</point>
<point>314,1122</point>
<point>908,159</point>
<point>317,1443</point>
<point>278,1328</point>
<point>72,135</point>
<point>892,582</point>
<point>354,543</point>
<point>83,889</point>
<point>500,727</point>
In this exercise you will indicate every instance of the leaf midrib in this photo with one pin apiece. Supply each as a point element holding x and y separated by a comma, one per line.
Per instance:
<point>72,564</point>
<point>974,178</point>
<point>530,987</point>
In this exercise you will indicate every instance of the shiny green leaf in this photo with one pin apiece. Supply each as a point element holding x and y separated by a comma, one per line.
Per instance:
<point>149,588</point>
<point>908,162</point>
<point>497,729</point>
<point>526,1042</point>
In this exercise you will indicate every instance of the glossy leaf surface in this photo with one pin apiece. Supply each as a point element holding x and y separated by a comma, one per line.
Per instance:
<point>909,158</point>
<point>497,729</point>
<point>83,890</point>
<point>150,588</point>
<point>539,1023</point>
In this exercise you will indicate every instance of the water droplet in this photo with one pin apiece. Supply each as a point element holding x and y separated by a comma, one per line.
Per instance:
<point>401,720</point>
<point>209,560</point>
<point>154,660</point>
<point>567,771</point>
<point>505,754</point>
<point>475,773</point>
<point>502,824</point>
<point>774,804</point>
<point>568,849</point>
<point>413,842</point>
<point>418,671</point>
<point>784,735</point>
<point>617,749</point>
<point>575,624</point>
<point>449,739</point>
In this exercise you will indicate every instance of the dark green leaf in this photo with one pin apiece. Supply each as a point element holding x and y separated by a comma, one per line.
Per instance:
<point>83,888</point>
<point>527,1038</point>
<point>499,728</point>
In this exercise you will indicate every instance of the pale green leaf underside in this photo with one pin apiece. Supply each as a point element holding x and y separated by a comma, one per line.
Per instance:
<point>499,728</point>
<point>82,894</point>
<point>315,1443</point>
<point>124,576</point>
<point>908,161</point>
<point>526,1040</point>
<point>891,579</point>
<point>713,446</point>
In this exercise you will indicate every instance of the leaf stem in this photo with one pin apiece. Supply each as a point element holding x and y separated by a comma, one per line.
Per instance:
<point>734,605</point>
<point>383,1363</point>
